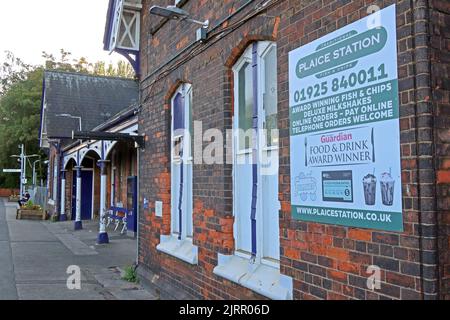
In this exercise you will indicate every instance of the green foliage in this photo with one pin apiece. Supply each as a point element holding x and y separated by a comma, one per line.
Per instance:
<point>130,275</point>
<point>20,105</point>
<point>82,65</point>
<point>20,99</point>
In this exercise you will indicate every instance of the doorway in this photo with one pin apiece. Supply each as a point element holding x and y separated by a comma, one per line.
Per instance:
<point>86,194</point>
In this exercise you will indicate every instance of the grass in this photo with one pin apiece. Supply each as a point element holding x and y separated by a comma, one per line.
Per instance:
<point>130,274</point>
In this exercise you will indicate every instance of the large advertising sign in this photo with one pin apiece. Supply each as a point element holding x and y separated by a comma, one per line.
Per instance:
<point>344,126</point>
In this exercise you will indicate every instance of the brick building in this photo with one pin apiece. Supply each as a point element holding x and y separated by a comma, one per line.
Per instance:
<point>226,231</point>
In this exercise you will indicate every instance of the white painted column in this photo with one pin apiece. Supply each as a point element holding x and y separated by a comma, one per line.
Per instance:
<point>102,235</point>
<point>78,223</point>
<point>62,212</point>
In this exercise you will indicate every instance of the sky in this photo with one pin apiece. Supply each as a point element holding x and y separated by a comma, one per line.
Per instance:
<point>28,27</point>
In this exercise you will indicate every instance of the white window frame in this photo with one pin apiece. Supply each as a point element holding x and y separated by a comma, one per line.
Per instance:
<point>55,178</point>
<point>185,90</point>
<point>183,249</point>
<point>260,275</point>
<point>246,58</point>
<point>113,179</point>
<point>263,49</point>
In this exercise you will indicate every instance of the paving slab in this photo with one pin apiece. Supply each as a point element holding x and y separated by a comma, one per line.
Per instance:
<point>29,231</point>
<point>139,294</point>
<point>111,280</point>
<point>76,246</point>
<point>4,233</point>
<point>35,255</point>
<point>7,282</point>
<point>59,292</point>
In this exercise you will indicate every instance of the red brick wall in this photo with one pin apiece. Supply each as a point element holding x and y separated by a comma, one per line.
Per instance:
<point>51,208</point>
<point>4,193</point>
<point>325,261</point>
<point>334,259</point>
<point>70,175</point>
<point>108,184</point>
<point>440,68</point>
<point>123,157</point>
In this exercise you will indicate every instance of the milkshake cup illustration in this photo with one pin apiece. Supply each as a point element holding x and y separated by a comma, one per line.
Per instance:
<point>370,188</point>
<point>387,188</point>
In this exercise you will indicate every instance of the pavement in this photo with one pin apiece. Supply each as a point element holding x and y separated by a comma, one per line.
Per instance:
<point>36,256</point>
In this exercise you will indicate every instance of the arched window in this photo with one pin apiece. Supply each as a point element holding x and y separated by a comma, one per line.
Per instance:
<point>255,164</point>
<point>255,262</point>
<point>181,173</point>
<point>180,242</point>
<point>55,177</point>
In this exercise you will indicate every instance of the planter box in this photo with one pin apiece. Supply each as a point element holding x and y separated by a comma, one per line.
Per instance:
<point>24,214</point>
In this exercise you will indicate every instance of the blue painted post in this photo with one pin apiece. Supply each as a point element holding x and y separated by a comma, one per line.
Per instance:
<point>62,212</point>
<point>78,223</point>
<point>102,235</point>
<point>180,202</point>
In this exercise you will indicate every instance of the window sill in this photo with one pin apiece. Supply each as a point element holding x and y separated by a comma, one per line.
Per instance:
<point>263,279</point>
<point>181,249</point>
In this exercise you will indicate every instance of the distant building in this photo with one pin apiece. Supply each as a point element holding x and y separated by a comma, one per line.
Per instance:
<point>75,102</point>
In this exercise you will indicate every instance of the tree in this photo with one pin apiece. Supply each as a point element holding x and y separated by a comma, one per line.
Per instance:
<point>65,62</point>
<point>21,86</point>
<point>12,71</point>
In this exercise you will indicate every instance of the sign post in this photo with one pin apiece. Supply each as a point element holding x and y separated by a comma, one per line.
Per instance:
<point>344,127</point>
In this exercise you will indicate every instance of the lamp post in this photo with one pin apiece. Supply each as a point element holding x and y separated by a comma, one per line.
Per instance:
<point>34,171</point>
<point>23,165</point>
<point>46,162</point>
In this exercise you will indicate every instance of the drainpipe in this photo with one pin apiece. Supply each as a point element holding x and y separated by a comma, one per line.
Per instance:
<point>255,148</point>
<point>62,212</point>
<point>78,223</point>
<point>428,241</point>
<point>138,205</point>
<point>103,235</point>
<point>180,200</point>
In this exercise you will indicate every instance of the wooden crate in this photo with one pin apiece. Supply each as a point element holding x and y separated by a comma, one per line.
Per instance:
<point>24,214</point>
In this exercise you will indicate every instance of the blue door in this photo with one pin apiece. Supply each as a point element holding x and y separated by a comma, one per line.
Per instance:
<point>132,204</point>
<point>74,195</point>
<point>86,195</point>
